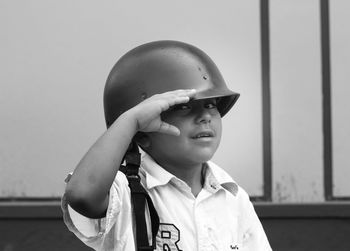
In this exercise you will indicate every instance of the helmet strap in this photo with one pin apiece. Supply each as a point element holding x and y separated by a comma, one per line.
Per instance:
<point>139,197</point>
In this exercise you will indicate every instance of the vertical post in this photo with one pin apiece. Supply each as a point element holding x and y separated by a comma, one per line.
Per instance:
<point>326,92</point>
<point>266,106</point>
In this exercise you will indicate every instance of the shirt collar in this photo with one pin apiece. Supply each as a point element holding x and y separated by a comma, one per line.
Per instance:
<point>215,177</point>
<point>155,175</point>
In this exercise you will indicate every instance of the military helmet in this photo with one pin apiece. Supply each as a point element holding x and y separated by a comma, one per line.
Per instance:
<point>162,66</point>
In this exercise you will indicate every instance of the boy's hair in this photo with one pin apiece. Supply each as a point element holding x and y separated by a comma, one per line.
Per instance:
<point>162,66</point>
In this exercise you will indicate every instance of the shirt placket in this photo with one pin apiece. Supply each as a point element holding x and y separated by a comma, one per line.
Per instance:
<point>206,240</point>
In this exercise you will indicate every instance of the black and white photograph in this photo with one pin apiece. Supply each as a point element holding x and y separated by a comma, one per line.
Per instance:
<point>174,125</point>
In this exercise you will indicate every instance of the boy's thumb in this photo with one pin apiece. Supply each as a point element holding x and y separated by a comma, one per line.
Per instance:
<point>169,129</point>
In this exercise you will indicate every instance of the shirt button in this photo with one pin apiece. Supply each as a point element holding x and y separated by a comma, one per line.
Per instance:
<point>246,236</point>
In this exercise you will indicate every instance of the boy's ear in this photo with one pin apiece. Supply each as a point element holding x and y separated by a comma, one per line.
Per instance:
<point>142,140</point>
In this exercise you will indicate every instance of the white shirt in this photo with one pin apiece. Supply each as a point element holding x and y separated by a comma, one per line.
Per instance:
<point>220,218</point>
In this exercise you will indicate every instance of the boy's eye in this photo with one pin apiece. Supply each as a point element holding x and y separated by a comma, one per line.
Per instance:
<point>210,105</point>
<point>182,107</point>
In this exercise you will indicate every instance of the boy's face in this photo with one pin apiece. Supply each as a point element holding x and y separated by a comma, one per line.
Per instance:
<point>200,127</point>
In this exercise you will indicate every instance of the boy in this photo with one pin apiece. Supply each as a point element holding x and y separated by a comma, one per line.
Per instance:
<point>168,97</point>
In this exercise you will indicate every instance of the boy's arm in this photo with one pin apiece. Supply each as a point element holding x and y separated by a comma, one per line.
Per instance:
<point>88,188</point>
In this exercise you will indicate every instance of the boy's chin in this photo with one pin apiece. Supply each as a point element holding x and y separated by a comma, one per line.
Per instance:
<point>202,157</point>
<point>190,159</point>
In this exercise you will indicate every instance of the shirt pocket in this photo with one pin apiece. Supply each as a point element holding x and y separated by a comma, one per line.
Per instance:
<point>230,236</point>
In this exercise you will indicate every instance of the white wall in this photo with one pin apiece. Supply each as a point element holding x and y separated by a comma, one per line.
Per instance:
<point>340,52</point>
<point>296,101</point>
<point>56,55</point>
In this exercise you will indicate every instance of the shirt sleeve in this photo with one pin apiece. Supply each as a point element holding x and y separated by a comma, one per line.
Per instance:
<point>94,232</point>
<point>254,237</point>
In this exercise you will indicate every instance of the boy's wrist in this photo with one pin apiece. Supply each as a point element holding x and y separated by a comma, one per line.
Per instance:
<point>130,119</point>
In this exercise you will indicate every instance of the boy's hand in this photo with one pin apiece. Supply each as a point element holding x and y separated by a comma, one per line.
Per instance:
<point>147,113</point>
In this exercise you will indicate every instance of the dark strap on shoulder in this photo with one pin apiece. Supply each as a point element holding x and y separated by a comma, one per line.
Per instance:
<point>139,197</point>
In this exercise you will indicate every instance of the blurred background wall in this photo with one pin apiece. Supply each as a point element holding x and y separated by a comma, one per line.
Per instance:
<point>286,141</point>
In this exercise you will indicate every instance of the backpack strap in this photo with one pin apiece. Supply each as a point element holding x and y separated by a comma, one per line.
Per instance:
<point>139,198</point>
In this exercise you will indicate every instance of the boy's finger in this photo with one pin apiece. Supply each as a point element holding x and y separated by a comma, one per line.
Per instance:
<point>174,95</point>
<point>179,100</point>
<point>182,97</point>
<point>166,103</point>
<point>181,92</point>
<point>187,92</point>
<point>169,129</point>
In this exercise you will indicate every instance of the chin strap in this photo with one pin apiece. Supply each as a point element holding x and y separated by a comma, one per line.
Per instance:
<point>139,197</point>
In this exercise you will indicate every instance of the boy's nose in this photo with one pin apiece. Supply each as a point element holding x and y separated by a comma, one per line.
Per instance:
<point>204,116</point>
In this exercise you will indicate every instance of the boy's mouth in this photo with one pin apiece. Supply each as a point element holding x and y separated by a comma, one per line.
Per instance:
<point>203,134</point>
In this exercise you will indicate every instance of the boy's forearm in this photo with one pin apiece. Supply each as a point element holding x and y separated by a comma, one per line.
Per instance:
<point>87,190</point>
